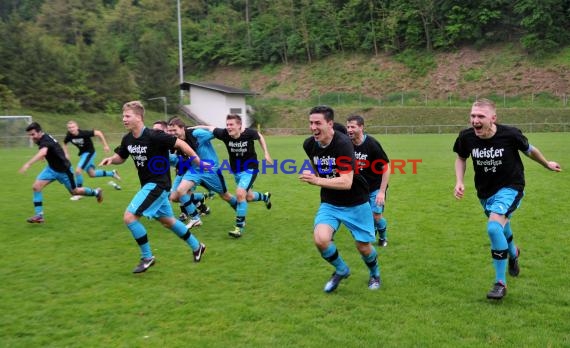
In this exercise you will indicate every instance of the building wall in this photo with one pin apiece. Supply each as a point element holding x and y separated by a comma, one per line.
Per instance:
<point>213,106</point>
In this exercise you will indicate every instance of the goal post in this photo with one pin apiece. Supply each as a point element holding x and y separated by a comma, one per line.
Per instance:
<point>13,131</point>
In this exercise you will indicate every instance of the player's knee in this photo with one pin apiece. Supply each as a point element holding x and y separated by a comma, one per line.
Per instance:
<point>129,217</point>
<point>494,228</point>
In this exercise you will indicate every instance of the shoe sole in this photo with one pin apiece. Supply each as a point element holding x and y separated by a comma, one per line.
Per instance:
<point>234,235</point>
<point>99,196</point>
<point>268,204</point>
<point>35,222</point>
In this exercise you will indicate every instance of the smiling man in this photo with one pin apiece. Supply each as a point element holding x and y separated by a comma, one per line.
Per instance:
<point>148,148</point>
<point>344,197</point>
<point>499,181</point>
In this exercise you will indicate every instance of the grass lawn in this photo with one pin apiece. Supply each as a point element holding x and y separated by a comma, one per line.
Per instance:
<point>68,282</point>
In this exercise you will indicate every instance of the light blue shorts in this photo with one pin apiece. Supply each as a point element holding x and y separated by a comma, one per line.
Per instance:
<point>152,202</point>
<point>376,209</point>
<point>358,219</point>
<point>86,161</point>
<point>65,178</point>
<point>245,179</point>
<point>211,181</point>
<point>504,202</point>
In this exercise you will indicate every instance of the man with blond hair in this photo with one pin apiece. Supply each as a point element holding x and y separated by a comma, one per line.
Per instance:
<point>150,152</point>
<point>499,181</point>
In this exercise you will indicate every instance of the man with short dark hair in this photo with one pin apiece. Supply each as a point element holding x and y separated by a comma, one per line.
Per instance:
<point>58,168</point>
<point>373,164</point>
<point>344,197</point>
<point>240,144</point>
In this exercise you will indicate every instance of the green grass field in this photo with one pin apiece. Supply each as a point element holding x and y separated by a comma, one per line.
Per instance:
<point>68,282</point>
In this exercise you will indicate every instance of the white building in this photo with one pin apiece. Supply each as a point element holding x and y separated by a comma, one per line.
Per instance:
<point>210,103</point>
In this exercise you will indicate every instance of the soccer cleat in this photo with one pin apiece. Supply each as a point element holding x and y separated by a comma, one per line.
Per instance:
<point>336,278</point>
<point>514,268</point>
<point>210,195</point>
<point>99,194</point>
<point>146,263</point>
<point>204,209</point>
<point>236,232</point>
<point>36,219</point>
<point>194,222</point>
<point>182,217</point>
<point>116,175</point>
<point>198,253</point>
<point>75,197</point>
<point>374,283</point>
<point>498,291</point>
<point>114,184</point>
<point>383,242</point>
<point>268,201</point>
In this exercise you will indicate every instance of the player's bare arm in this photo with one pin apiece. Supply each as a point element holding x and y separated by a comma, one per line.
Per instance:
<point>342,182</point>
<point>115,159</point>
<point>538,157</point>
<point>37,157</point>
<point>101,137</point>
<point>460,166</point>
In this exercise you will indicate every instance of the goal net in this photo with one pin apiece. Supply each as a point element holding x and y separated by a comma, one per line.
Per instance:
<point>13,131</point>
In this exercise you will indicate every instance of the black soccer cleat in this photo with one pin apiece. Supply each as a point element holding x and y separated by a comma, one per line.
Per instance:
<point>498,291</point>
<point>514,268</point>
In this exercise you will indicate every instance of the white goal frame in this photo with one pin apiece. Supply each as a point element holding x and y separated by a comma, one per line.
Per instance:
<point>26,118</point>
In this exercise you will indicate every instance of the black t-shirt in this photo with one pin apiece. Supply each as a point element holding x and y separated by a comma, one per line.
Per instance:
<point>191,140</point>
<point>55,156</point>
<point>241,151</point>
<point>371,151</point>
<point>150,152</point>
<point>496,161</point>
<point>338,155</point>
<point>82,140</point>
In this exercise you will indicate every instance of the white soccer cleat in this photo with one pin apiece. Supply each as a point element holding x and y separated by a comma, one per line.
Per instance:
<point>75,198</point>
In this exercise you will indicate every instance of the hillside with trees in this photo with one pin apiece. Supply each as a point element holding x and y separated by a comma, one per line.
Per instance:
<point>72,55</point>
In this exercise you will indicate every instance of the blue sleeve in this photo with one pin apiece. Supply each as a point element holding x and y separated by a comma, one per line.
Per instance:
<point>203,135</point>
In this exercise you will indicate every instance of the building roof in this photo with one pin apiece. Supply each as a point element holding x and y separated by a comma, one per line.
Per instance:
<point>216,87</point>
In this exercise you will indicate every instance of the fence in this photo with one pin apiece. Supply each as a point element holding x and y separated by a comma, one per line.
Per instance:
<point>428,129</point>
<point>415,98</point>
<point>115,138</point>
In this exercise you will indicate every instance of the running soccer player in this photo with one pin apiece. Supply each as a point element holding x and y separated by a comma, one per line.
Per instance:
<point>244,165</point>
<point>499,181</point>
<point>58,168</point>
<point>344,197</point>
<point>82,140</point>
<point>150,152</point>
<point>212,179</point>
<point>373,164</point>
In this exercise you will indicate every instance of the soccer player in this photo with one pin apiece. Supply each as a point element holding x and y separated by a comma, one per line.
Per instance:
<point>499,181</point>
<point>373,164</point>
<point>150,152</point>
<point>82,140</point>
<point>244,165</point>
<point>344,197</point>
<point>212,179</point>
<point>58,168</point>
